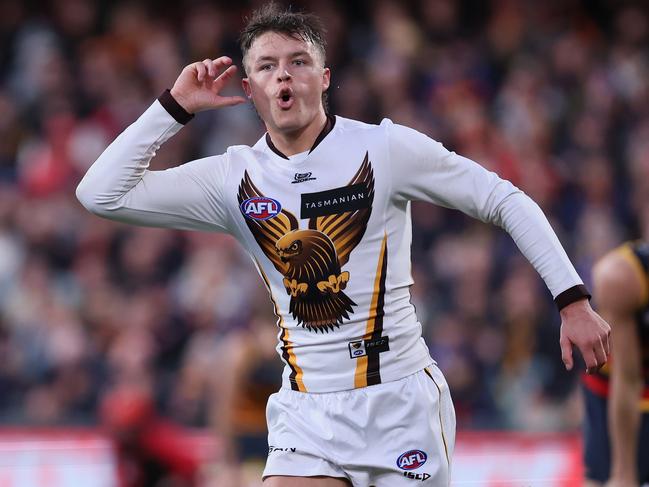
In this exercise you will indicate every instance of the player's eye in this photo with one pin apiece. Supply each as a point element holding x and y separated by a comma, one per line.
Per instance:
<point>299,62</point>
<point>265,67</point>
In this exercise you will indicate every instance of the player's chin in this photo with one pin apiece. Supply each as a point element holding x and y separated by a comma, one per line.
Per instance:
<point>287,121</point>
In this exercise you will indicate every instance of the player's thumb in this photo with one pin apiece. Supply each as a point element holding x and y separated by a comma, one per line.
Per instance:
<point>228,101</point>
<point>566,352</point>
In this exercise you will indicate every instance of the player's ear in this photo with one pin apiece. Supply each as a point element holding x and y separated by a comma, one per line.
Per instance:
<point>245,84</point>
<point>326,79</point>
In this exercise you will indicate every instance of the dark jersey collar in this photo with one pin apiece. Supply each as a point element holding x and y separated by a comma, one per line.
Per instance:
<point>329,125</point>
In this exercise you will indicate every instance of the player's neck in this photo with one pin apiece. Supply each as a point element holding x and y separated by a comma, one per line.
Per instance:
<point>302,140</point>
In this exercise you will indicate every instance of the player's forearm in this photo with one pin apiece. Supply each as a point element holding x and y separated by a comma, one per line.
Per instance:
<point>125,162</point>
<point>525,222</point>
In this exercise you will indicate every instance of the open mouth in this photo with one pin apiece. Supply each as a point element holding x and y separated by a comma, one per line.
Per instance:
<point>285,98</point>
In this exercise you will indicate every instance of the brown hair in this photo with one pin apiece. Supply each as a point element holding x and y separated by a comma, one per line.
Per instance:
<point>271,18</point>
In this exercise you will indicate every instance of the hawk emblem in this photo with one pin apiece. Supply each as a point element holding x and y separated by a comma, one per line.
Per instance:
<point>311,260</point>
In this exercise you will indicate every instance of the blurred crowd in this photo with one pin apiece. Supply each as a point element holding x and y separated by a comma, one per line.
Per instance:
<point>552,95</point>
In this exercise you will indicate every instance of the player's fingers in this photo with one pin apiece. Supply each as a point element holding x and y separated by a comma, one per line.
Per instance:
<point>607,342</point>
<point>600,354</point>
<point>201,71</point>
<point>591,359</point>
<point>209,68</point>
<point>592,370</point>
<point>566,352</point>
<point>222,62</point>
<point>223,78</point>
<point>232,100</point>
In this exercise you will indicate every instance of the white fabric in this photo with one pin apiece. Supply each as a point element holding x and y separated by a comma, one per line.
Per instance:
<point>361,434</point>
<point>299,157</point>
<point>406,165</point>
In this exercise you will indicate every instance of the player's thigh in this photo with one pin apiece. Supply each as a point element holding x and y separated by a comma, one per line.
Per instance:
<point>420,453</point>
<point>282,481</point>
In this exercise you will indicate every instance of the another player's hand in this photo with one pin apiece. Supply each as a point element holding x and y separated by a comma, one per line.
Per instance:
<point>582,327</point>
<point>199,85</point>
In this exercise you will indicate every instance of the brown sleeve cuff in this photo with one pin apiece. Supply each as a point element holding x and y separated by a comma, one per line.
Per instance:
<point>173,107</point>
<point>570,295</point>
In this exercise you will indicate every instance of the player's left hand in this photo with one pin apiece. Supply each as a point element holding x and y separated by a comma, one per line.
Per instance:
<point>581,326</point>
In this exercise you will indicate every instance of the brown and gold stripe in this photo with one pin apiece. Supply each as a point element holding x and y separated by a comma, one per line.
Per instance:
<point>368,367</point>
<point>295,377</point>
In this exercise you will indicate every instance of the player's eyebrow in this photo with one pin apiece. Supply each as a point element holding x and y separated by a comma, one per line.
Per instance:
<point>295,54</point>
<point>265,59</point>
<point>299,53</point>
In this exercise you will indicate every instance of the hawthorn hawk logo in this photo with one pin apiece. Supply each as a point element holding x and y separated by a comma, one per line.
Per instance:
<point>311,260</point>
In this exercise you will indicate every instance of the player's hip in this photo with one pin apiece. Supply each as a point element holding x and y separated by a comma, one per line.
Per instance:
<point>386,434</point>
<point>352,363</point>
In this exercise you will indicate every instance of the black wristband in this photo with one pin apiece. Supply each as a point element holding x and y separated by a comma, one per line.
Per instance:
<point>174,108</point>
<point>570,295</point>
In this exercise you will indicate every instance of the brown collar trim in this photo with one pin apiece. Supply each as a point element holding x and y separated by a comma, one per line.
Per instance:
<point>328,127</point>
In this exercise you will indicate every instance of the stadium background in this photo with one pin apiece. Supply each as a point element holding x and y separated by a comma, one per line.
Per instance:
<point>552,95</point>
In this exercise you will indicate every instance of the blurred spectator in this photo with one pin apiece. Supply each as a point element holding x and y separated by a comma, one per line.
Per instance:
<point>151,450</point>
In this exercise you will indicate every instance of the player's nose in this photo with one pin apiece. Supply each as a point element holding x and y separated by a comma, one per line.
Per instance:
<point>283,74</point>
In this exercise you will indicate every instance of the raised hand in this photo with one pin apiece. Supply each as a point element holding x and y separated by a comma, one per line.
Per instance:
<point>199,85</point>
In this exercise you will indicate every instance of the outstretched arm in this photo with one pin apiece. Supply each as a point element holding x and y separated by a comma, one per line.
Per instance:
<point>424,170</point>
<point>120,186</point>
<point>580,325</point>
<point>619,292</point>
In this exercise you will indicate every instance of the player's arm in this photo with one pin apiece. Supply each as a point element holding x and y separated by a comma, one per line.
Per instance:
<point>120,186</point>
<point>619,293</point>
<point>424,170</point>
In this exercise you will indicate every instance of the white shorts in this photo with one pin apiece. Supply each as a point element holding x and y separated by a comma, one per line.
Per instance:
<point>400,433</point>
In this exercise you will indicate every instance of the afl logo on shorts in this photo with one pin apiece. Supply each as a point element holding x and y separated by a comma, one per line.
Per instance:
<point>411,459</point>
<point>260,208</point>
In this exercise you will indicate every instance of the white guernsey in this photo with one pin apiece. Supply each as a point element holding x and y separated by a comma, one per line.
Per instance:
<point>329,231</point>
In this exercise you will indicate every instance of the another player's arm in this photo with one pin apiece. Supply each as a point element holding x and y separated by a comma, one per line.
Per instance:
<point>236,358</point>
<point>619,293</point>
<point>120,186</point>
<point>424,170</point>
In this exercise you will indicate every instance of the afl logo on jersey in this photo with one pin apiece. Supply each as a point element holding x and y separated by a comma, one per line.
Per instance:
<point>411,459</point>
<point>260,208</point>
